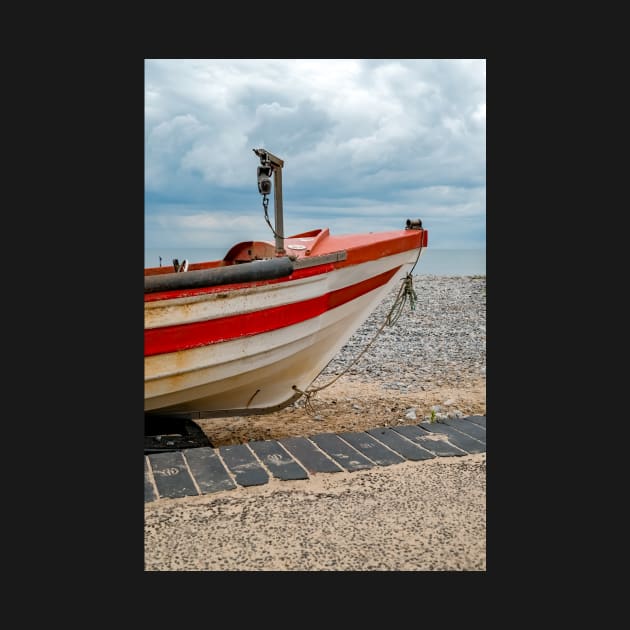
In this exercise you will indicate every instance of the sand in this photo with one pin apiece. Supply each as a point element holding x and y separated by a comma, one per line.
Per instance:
<point>346,406</point>
<point>415,516</point>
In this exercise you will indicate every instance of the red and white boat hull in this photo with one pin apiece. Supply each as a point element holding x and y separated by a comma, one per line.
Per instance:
<point>244,349</point>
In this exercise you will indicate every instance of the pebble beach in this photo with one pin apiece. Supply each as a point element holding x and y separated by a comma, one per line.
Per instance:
<point>430,363</point>
<point>416,516</point>
<point>440,341</point>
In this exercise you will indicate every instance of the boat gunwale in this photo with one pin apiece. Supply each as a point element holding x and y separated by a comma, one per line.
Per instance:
<point>304,266</point>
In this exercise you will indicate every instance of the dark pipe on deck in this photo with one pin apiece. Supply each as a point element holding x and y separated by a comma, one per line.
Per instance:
<point>233,274</point>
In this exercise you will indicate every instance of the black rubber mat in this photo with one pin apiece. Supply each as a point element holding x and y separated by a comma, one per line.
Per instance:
<point>309,455</point>
<point>341,452</point>
<point>439,447</point>
<point>376,451</point>
<point>401,445</point>
<point>465,442</point>
<point>208,470</point>
<point>243,465</point>
<point>171,475</point>
<point>469,428</point>
<point>277,460</point>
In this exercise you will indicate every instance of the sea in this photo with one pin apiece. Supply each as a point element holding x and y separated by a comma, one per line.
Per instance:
<point>434,262</point>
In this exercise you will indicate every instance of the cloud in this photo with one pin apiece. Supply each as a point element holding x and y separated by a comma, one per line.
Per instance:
<point>384,139</point>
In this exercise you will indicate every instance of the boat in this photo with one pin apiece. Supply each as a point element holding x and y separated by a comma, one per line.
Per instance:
<point>248,334</point>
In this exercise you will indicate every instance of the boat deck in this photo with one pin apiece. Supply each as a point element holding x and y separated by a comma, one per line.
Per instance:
<point>204,470</point>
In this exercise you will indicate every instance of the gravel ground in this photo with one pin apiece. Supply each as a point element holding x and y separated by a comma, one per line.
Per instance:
<point>442,340</point>
<point>432,361</point>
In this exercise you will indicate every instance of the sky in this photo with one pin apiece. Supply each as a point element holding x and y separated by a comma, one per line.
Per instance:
<point>366,144</point>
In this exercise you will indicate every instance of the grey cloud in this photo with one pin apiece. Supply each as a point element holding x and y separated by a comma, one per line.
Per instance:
<point>377,133</point>
<point>290,130</point>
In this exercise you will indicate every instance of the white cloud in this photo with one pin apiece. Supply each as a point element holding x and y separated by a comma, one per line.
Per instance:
<point>390,132</point>
<point>479,115</point>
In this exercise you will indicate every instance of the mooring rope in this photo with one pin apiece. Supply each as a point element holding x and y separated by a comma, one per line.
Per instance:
<point>406,293</point>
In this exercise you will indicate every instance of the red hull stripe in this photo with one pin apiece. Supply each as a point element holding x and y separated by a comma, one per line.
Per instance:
<point>196,334</point>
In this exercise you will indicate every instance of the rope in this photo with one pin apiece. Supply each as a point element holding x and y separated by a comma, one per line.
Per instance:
<point>405,293</point>
<point>408,293</point>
